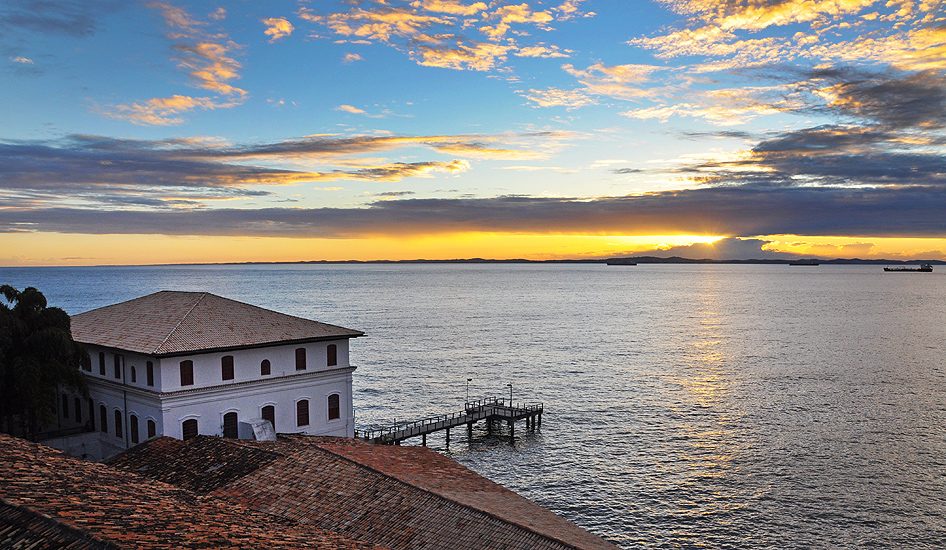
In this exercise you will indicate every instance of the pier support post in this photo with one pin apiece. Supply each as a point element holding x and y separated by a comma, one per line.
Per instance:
<point>489,426</point>
<point>469,431</point>
<point>540,420</point>
<point>423,440</point>
<point>512,430</point>
<point>448,438</point>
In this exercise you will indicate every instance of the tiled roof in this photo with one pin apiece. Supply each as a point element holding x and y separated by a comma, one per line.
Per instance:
<point>24,528</point>
<point>406,498</point>
<point>433,472</point>
<point>200,466</point>
<point>94,502</point>
<point>172,322</point>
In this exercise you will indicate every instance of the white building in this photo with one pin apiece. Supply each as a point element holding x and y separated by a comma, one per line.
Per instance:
<point>187,363</point>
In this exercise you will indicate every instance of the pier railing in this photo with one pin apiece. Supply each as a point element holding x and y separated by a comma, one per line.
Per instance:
<point>489,409</point>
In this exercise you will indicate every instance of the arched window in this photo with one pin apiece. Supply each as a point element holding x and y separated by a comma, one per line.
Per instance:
<point>152,429</point>
<point>91,414</point>
<point>189,429</point>
<point>300,359</point>
<point>133,427</point>
<point>331,354</point>
<point>333,408</point>
<point>226,367</point>
<point>103,418</point>
<point>118,424</point>
<point>265,368</point>
<point>65,406</point>
<point>150,368</point>
<point>78,404</point>
<point>269,413</point>
<point>187,373</point>
<point>134,374</point>
<point>117,361</point>
<point>102,363</point>
<point>302,412</point>
<point>230,421</point>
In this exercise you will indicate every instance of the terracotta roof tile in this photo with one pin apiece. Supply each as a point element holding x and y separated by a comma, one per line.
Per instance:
<point>130,511</point>
<point>398,497</point>
<point>172,322</point>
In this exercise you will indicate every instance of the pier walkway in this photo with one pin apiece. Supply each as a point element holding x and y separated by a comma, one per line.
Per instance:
<point>490,410</point>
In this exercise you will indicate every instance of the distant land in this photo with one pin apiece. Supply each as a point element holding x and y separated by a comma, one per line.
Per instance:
<point>630,260</point>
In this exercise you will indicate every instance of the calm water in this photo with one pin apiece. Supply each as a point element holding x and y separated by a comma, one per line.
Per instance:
<point>686,406</point>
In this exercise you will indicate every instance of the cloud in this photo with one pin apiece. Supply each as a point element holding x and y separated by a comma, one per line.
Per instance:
<point>452,7</point>
<point>99,172</point>
<point>21,60</point>
<point>730,248</point>
<point>430,31</point>
<point>76,19</point>
<point>276,28</point>
<point>553,97</point>
<point>351,58</point>
<point>207,59</point>
<point>912,212</point>
<point>350,109</point>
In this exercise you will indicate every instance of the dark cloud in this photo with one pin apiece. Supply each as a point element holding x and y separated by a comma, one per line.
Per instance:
<point>731,248</point>
<point>830,156</point>
<point>732,211</point>
<point>78,18</point>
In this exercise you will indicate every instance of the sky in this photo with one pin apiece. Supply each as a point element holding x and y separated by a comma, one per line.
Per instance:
<point>175,132</point>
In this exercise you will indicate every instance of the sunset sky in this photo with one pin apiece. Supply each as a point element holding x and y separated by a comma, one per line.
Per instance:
<point>166,132</point>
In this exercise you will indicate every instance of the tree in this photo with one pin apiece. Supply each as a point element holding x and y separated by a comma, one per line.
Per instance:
<point>38,357</point>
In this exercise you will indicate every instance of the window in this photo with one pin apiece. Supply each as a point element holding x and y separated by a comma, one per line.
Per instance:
<point>65,406</point>
<point>118,424</point>
<point>189,429</point>
<point>187,373</point>
<point>133,426</point>
<point>302,413</point>
<point>150,368</point>
<point>118,365</point>
<point>152,429</point>
<point>333,408</point>
<point>91,414</point>
<point>300,359</point>
<point>134,374</point>
<point>226,367</point>
<point>102,363</point>
<point>103,417</point>
<point>265,368</point>
<point>78,404</point>
<point>332,355</point>
<point>269,413</point>
<point>230,421</point>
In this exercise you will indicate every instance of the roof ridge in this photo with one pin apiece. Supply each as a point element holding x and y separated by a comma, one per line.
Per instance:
<point>179,323</point>
<point>450,500</point>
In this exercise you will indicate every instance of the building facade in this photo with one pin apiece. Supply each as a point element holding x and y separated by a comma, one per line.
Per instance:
<point>186,363</point>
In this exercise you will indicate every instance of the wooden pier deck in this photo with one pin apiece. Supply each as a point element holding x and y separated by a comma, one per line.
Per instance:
<point>490,410</point>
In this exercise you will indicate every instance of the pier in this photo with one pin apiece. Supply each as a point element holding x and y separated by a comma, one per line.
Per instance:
<point>491,410</point>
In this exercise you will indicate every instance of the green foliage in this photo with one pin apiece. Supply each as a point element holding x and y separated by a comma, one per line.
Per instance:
<point>37,357</point>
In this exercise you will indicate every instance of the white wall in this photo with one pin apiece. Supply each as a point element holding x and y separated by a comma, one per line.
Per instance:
<point>169,404</point>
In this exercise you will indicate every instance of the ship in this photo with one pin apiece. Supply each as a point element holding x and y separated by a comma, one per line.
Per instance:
<point>926,268</point>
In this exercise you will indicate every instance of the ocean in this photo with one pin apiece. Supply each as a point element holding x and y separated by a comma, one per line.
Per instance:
<point>686,406</point>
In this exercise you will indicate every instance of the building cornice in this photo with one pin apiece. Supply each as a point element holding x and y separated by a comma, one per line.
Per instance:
<point>206,351</point>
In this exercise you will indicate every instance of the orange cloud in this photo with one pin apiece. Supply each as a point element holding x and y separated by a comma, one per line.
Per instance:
<point>206,58</point>
<point>276,28</point>
<point>452,7</point>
